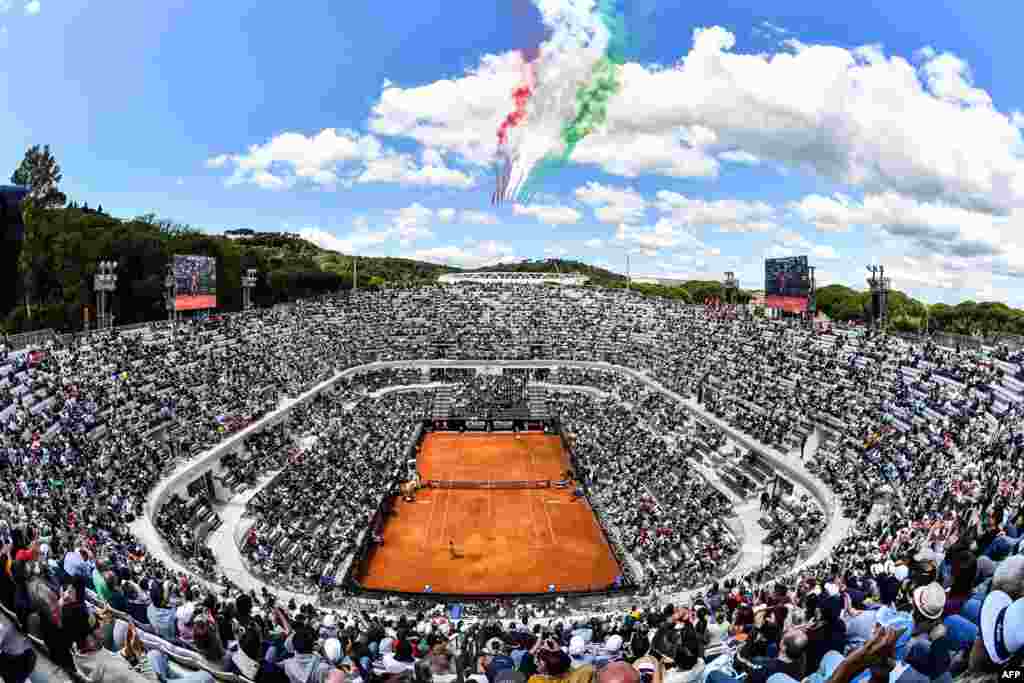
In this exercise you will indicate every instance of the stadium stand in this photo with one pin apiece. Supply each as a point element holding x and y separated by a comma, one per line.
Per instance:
<point>921,445</point>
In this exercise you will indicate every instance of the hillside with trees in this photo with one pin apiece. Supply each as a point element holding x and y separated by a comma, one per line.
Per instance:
<point>64,242</point>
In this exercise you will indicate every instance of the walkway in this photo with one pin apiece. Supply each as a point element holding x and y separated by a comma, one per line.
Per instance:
<point>143,527</point>
<point>224,544</point>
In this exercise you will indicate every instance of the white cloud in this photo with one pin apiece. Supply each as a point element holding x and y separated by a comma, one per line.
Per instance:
<point>179,181</point>
<point>928,226</point>
<point>828,214</point>
<point>406,226</point>
<point>219,161</point>
<point>551,215</point>
<point>738,156</point>
<point>472,255</point>
<point>402,169</point>
<point>593,243</point>
<point>431,157</point>
<point>5,6</point>
<point>412,223</point>
<point>788,241</point>
<point>825,252</point>
<point>727,215</point>
<point>479,217</point>
<point>948,77</point>
<point>555,251</point>
<point>856,116</point>
<point>665,234</point>
<point>33,8</point>
<point>846,115</point>
<point>334,157</point>
<point>467,216</point>
<point>353,243</point>
<point>613,205</point>
<point>774,28</point>
<point>778,251</point>
<point>631,154</point>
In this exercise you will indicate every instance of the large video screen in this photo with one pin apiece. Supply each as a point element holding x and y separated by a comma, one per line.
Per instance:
<point>195,279</point>
<point>788,277</point>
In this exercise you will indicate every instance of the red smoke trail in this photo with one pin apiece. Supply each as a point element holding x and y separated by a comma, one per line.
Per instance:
<point>521,95</point>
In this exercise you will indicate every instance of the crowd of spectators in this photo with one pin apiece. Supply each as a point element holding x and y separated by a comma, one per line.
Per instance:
<point>312,517</point>
<point>922,444</point>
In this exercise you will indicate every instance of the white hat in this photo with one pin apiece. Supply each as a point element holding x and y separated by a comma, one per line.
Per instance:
<point>930,600</point>
<point>614,643</point>
<point>331,620</point>
<point>332,650</point>
<point>577,646</point>
<point>831,588</point>
<point>1002,626</point>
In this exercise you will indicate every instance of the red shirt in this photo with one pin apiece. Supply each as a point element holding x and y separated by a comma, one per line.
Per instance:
<point>25,555</point>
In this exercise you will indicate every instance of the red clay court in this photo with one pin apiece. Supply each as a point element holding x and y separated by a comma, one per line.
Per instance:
<point>509,540</point>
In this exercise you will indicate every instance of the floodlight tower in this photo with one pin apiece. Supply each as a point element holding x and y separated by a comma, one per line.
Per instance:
<point>731,286</point>
<point>248,284</point>
<point>812,299</point>
<point>879,285</point>
<point>104,283</point>
<point>170,293</point>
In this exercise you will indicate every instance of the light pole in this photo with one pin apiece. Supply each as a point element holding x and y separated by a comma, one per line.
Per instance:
<point>104,282</point>
<point>731,287</point>
<point>880,286</point>
<point>248,283</point>
<point>170,287</point>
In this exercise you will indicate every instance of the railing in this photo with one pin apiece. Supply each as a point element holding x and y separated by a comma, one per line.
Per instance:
<point>188,471</point>
<point>34,338</point>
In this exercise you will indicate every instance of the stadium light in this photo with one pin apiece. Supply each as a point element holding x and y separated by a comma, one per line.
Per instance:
<point>248,283</point>
<point>104,283</point>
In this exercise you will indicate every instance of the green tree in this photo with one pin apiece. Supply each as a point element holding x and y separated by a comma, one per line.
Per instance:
<point>40,172</point>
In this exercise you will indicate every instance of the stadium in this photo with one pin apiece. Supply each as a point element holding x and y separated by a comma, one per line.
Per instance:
<point>527,341</point>
<point>551,464</point>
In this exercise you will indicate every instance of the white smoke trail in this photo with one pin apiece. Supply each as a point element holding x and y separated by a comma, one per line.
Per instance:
<point>566,61</point>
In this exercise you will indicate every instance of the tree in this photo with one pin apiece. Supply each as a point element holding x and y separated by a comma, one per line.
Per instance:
<point>41,173</point>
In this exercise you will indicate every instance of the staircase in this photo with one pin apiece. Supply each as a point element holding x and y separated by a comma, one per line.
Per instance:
<point>537,402</point>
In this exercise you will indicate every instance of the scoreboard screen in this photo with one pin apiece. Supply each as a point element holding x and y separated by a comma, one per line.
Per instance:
<point>787,277</point>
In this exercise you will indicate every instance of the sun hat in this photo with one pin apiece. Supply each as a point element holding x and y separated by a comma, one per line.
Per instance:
<point>930,600</point>
<point>1002,626</point>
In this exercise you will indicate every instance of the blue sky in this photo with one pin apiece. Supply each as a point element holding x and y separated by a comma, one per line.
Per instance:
<point>877,131</point>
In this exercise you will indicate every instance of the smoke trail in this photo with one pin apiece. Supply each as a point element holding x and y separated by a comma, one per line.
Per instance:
<point>576,76</point>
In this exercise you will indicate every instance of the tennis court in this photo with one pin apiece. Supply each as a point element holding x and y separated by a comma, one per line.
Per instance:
<point>507,540</point>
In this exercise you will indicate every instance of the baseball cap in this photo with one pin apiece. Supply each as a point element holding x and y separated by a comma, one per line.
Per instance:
<point>614,643</point>
<point>1002,626</point>
<point>930,600</point>
<point>577,646</point>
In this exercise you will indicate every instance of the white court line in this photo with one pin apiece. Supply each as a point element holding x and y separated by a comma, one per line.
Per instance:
<point>430,523</point>
<point>551,527</point>
<point>444,522</point>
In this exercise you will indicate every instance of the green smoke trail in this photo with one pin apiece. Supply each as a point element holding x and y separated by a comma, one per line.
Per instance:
<point>591,99</point>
